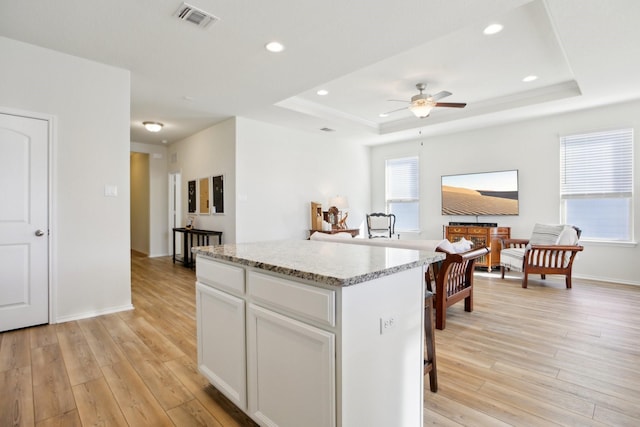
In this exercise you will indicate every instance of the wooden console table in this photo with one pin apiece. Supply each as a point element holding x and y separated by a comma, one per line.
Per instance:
<point>201,239</point>
<point>490,237</point>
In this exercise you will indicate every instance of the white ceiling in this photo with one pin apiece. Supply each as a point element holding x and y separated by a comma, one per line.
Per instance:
<point>364,52</point>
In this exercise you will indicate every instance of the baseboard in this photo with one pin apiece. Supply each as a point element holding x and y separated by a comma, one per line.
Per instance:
<point>605,279</point>
<point>158,255</point>
<point>89,314</point>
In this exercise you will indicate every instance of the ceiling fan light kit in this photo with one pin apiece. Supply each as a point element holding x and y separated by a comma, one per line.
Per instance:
<point>422,104</point>
<point>421,107</point>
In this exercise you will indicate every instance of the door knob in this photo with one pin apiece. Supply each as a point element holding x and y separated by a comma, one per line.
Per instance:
<point>39,233</point>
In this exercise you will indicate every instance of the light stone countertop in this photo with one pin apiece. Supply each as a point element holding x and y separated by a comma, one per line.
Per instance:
<point>328,263</point>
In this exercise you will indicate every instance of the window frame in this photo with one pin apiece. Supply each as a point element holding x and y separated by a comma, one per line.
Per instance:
<point>613,148</point>
<point>412,199</point>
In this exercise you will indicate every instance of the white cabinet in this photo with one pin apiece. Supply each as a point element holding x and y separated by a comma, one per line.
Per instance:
<point>221,342</point>
<point>221,320</point>
<point>290,352</point>
<point>291,371</point>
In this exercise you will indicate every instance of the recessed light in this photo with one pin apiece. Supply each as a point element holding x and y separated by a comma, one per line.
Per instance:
<point>530,79</point>
<point>322,92</point>
<point>383,115</point>
<point>274,47</point>
<point>493,29</point>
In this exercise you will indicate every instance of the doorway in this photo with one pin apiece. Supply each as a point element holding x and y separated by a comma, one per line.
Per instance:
<point>140,202</point>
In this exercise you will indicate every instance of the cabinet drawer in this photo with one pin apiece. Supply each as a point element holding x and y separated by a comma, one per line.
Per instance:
<point>478,230</point>
<point>457,230</point>
<point>304,301</point>
<point>220,275</point>
<point>504,230</point>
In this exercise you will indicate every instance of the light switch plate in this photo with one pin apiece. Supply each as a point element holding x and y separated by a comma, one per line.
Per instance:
<point>110,190</point>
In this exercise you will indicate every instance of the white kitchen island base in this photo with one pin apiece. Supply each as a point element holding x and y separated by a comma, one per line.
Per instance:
<point>297,350</point>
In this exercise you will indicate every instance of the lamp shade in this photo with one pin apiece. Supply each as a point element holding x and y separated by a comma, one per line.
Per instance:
<point>339,202</point>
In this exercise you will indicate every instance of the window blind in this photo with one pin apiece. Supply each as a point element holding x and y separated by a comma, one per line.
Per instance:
<point>597,164</point>
<point>402,179</point>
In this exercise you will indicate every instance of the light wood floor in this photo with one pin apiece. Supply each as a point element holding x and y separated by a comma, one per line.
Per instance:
<point>525,357</point>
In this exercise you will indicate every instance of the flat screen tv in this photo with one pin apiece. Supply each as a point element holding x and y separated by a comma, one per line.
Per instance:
<point>476,194</point>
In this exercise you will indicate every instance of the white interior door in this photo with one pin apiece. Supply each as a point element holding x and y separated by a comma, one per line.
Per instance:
<point>24,234</point>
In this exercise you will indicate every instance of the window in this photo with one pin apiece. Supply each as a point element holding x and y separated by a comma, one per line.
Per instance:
<point>401,192</point>
<point>596,184</point>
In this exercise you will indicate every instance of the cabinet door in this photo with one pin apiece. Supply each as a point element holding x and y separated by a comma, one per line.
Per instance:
<point>221,342</point>
<point>291,371</point>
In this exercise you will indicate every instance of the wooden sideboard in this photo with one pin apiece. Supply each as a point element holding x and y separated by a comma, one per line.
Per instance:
<point>490,237</point>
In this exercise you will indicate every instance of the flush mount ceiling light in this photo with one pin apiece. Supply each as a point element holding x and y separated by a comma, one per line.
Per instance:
<point>274,47</point>
<point>493,29</point>
<point>530,79</point>
<point>153,126</point>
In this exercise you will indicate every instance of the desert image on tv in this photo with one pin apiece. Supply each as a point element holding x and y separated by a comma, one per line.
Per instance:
<point>466,201</point>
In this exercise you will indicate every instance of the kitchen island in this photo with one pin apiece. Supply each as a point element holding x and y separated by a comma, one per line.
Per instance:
<point>309,333</point>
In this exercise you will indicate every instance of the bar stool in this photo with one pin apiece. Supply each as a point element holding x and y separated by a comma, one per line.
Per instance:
<point>430,335</point>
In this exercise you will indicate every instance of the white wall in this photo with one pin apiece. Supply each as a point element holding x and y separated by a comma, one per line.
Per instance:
<point>90,259</point>
<point>533,148</point>
<point>159,243</point>
<point>140,202</point>
<point>280,171</point>
<point>204,154</point>
<point>272,174</point>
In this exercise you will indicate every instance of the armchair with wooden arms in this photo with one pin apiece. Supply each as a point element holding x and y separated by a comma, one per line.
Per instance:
<point>453,281</point>
<point>551,250</point>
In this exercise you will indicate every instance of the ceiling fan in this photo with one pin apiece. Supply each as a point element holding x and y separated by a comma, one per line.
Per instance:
<point>422,104</point>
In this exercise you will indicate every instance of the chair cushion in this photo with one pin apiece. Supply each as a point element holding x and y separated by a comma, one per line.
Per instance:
<point>462,245</point>
<point>546,234</point>
<point>568,237</point>
<point>512,258</point>
<point>330,237</point>
<point>446,246</point>
<point>379,222</point>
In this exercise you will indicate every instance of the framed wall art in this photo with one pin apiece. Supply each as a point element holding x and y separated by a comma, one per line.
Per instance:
<point>191,196</point>
<point>218,194</point>
<point>204,192</point>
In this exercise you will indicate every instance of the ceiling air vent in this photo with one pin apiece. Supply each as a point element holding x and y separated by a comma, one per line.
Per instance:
<point>327,130</point>
<point>196,16</point>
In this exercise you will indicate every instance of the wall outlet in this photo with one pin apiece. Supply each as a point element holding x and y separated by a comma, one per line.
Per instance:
<point>387,324</point>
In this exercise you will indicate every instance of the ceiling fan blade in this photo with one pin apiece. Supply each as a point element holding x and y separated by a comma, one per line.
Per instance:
<point>398,100</point>
<point>440,95</point>
<point>451,104</point>
<point>393,111</point>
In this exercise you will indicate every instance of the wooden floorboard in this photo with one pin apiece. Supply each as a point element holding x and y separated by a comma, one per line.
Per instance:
<point>540,356</point>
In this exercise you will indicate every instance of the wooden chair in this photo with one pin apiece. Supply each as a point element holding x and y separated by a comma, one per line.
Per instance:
<point>542,259</point>
<point>381,224</point>
<point>453,281</point>
<point>430,343</point>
